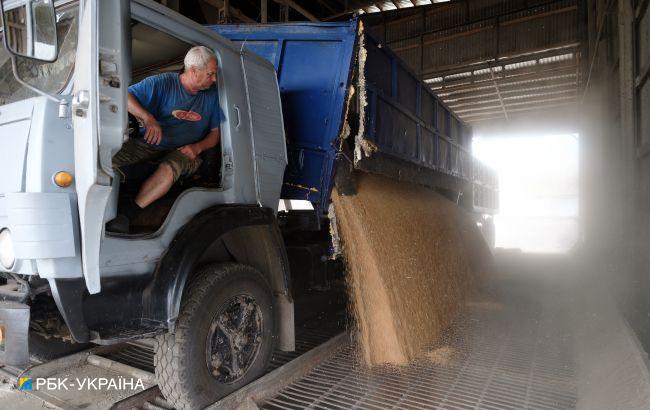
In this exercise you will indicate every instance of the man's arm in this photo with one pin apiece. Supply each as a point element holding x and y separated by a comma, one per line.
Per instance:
<point>193,150</point>
<point>153,132</point>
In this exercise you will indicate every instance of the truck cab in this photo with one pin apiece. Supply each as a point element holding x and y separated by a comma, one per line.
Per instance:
<point>210,280</point>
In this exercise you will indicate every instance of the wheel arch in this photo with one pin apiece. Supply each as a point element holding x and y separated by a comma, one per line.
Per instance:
<point>227,233</point>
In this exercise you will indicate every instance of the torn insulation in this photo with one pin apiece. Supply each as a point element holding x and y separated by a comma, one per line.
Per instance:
<point>334,233</point>
<point>362,146</point>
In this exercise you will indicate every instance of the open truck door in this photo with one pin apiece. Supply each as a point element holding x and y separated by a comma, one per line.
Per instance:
<point>99,116</point>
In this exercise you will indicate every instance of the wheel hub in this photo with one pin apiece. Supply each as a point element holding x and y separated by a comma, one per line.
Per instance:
<point>234,339</point>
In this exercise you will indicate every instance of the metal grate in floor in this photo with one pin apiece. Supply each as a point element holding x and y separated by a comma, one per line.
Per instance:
<point>140,354</point>
<point>503,357</point>
<point>309,335</point>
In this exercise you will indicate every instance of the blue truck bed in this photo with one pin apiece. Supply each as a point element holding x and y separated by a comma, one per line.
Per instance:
<point>347,98</point>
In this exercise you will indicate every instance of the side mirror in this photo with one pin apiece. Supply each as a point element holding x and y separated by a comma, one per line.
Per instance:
<point>30,28</point>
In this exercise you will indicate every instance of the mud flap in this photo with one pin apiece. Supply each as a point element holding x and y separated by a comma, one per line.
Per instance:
<point>344,179</point>
<point>15,320</point>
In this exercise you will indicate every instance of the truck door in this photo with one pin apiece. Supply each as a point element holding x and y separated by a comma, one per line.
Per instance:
<point>102,73</point>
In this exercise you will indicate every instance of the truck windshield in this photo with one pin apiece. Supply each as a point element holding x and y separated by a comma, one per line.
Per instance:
<point>49,77</point>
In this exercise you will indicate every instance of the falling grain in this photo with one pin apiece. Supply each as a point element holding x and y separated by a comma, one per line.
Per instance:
<point>412,260</point>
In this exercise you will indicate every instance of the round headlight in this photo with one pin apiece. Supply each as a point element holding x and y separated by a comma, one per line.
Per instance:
<point>7,255</point>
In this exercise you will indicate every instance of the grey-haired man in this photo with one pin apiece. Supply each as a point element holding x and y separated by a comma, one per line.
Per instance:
<point>181,119</point>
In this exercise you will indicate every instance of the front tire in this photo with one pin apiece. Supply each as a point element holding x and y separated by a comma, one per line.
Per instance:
<point>225,335</point>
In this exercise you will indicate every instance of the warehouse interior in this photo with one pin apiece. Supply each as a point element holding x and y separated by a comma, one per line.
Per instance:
<point>557,93</point>
<point>517,68</point>
<point>570,74</point>
<point>524,67</point>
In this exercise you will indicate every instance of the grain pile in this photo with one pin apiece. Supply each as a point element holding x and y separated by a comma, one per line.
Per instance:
<point>412,261</point>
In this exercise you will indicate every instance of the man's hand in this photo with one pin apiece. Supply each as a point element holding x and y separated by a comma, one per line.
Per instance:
<point>191,151</point>
<point>153,132</point>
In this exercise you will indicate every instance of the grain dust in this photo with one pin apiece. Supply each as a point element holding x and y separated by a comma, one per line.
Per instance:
<point>442,356</point>
<point>413,259</point>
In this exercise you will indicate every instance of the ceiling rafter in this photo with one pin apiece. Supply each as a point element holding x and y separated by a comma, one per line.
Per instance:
<point>297,7</point>
<point>232,11</point>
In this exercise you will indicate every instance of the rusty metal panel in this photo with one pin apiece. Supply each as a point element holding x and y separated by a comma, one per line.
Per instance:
<point>488,8</point>
<point>441,18</point>
<point>405,27</point>
<point>462,45</point>
<point>538,28</point>
<point>409,51</point>
<point>467,50</point>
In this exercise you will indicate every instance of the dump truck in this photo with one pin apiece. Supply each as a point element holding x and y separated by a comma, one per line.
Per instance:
<point>206,269</point>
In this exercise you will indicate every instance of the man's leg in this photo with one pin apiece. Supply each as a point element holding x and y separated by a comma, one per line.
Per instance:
<point>173,166</point>
<point>131,152</point>
<point>157,185</point>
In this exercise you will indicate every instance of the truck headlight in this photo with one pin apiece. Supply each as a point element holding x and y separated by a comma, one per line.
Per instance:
<point>7,254</point>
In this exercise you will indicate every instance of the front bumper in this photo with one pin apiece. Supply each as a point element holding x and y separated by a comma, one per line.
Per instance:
<point>14,318</point>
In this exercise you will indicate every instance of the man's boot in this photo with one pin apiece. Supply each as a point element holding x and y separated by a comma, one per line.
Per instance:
<point>122,222</point>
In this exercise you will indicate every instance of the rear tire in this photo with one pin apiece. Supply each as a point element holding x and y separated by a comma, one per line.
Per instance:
<point>224,338</point>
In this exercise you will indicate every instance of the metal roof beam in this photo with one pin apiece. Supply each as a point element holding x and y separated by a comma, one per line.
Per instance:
<point>327,5</point>
<point>492,106</point>
<point>515,95</point>
<point>511,88</point>
<point>234,12</point>
<point>298,8</point>
<point>533,55</point>
<point>497,115</point>
<point>514,77</point>
<point>496,87</point>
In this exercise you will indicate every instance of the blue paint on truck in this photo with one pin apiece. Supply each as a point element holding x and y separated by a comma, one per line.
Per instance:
<point>403,119</point>
<point>313,63</point>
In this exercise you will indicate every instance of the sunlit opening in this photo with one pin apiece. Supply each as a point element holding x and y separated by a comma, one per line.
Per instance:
<point>538,190</point>
<point>294,205</point>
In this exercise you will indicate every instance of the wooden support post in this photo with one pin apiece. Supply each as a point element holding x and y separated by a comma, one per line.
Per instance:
<point>264,11</point>
<point>496,87</point>
<point>232,11</point>
<point>627,140</point>
<point>226,11</point>
<point>298,8</point>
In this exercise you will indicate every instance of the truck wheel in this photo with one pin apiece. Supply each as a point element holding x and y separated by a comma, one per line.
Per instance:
<point>224,338</point>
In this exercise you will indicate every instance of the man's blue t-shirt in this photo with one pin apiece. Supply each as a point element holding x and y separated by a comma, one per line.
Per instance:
<point>183,117</point>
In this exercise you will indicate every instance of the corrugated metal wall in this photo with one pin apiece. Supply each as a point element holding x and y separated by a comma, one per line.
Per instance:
<point>641,111</point>
<point>469,49</point>
<point>615,154</point>
<point>642,34</point>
